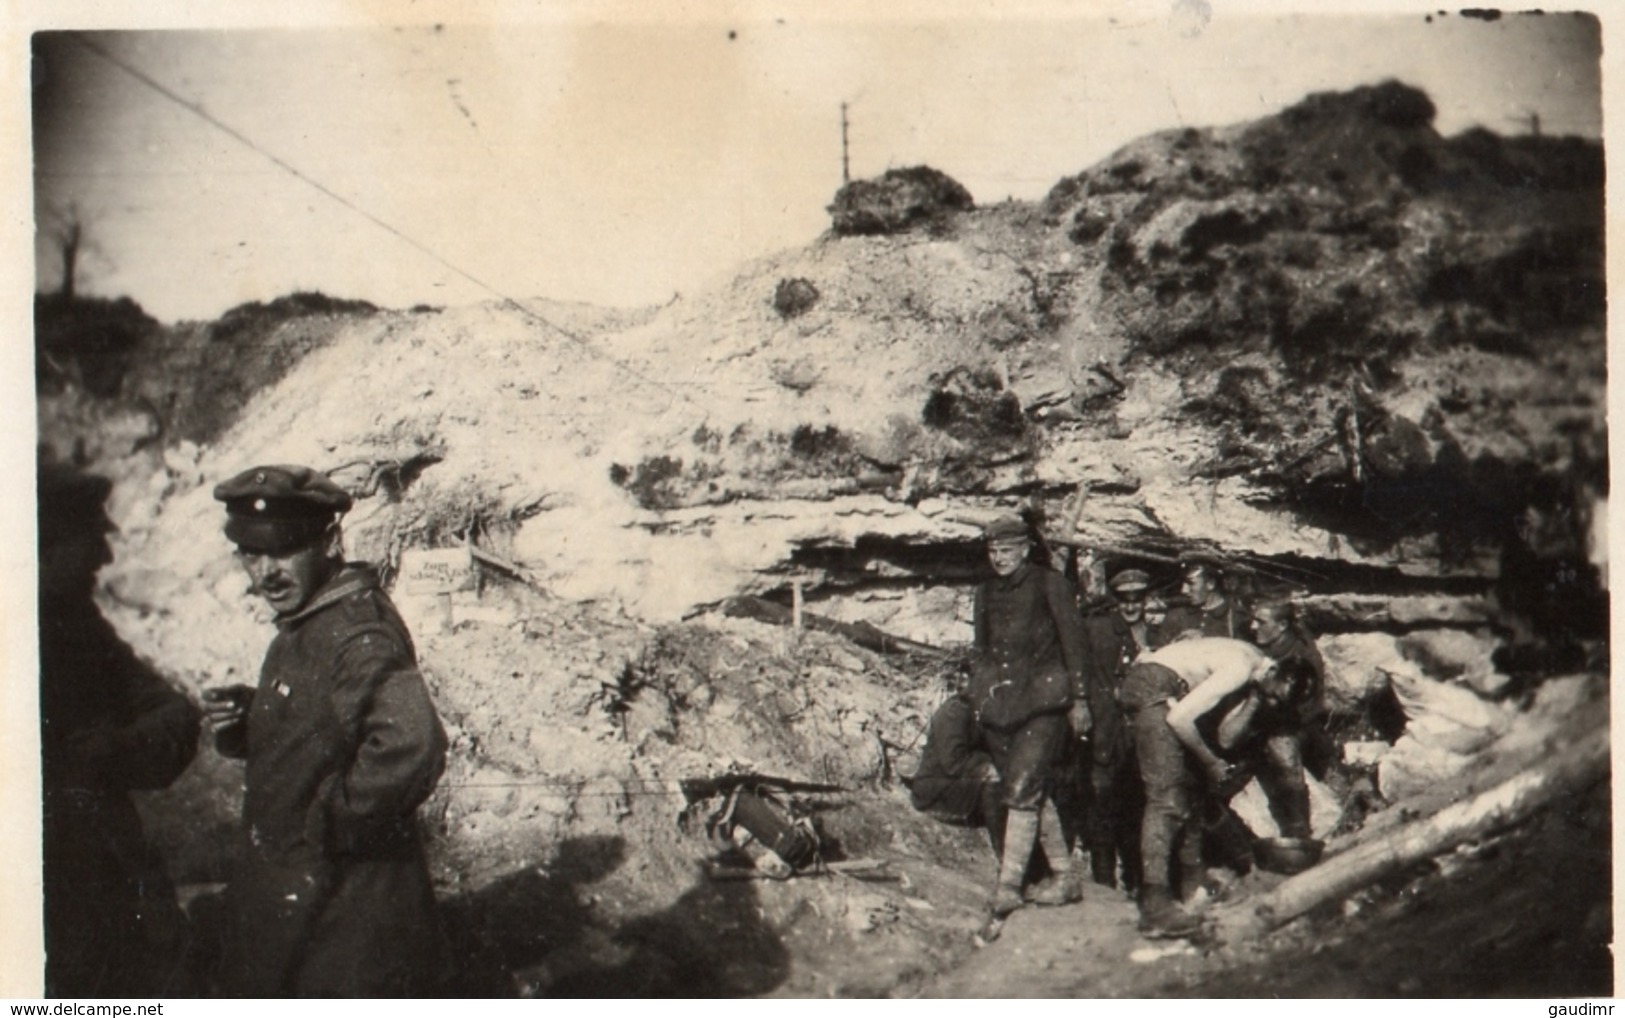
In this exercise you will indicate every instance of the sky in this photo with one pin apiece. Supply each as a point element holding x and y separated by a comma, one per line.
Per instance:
<point>621,160</point>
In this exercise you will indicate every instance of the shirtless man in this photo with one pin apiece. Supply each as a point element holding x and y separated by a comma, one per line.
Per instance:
<point>1168,696</point>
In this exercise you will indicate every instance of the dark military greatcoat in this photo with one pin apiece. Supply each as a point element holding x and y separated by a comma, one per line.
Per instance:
<point>332,896</point>
<point>1027,627</point>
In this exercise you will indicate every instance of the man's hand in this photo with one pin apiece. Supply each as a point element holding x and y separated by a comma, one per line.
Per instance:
<point>1219,772</point>
<point>1081,719</point>
<point>226,706</point>
<point>1231,779</point>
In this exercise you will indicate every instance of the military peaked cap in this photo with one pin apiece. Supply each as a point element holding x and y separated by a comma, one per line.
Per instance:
<point>1008,527</point>
<point>280,508</point>
<point>1201,560</point>
<point>1130,579</point>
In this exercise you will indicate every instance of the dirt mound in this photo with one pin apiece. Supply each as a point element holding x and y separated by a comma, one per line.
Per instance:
<point>896,201</point>
<point>87,342</point>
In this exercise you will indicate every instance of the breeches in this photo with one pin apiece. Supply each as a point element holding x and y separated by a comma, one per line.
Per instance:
<point>1025,758</point>
<point>1170,791</point>
<point>1115,788</point>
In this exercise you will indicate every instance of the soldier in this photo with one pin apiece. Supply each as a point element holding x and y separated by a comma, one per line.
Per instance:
<point>956,781</point>
<point>1114,637</point>
<point>1280,633</point>
<point>108,725</point>
<point>1026,684</point>
<point>1279,737</point>
<point>1164,695</point>
<point>331,896</point>
<point>1209,611</point>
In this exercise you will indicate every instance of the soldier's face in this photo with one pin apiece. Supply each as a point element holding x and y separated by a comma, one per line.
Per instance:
<point>1275,687</point>
<point>1132,604</point>
<point>1266,629</point>
<point>1197,585</point>
<point>1006,556</point>
<point>287,581</point>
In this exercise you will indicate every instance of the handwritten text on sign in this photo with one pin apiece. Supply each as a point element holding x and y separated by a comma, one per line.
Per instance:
<point>436,571</point>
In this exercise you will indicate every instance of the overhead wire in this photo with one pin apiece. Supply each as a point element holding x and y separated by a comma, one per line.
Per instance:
<point>199,111</point>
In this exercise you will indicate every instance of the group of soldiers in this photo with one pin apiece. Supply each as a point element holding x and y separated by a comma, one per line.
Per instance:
<point>330,894</point>
<point>1128,733</point>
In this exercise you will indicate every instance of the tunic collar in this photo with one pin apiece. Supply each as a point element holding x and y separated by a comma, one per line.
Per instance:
<point>353,578</point>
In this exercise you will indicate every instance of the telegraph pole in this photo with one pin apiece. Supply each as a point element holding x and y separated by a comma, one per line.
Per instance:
<point>846,169</point>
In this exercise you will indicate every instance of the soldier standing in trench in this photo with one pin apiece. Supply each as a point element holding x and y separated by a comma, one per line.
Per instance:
<point>1281,634</point>
<point>1210,611</point>
<point>331,896</point>
<point>1025,686</point>
<point>1115,635</point>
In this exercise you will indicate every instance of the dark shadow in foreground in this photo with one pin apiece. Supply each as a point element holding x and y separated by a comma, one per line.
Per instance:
<point>538,932</point>
<point>1525,914</point>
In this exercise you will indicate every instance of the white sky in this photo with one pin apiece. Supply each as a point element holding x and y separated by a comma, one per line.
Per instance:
<point>619,161</point>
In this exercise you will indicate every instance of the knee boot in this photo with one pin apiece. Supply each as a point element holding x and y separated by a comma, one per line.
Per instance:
<point>1064,885</point>
<point>1103,838</point>
<point>1160,915</point>
<point>1192,878</point>
<point>1192,865</point>
<point>1103,865</point>
<point>1291,812</point>
<point>1129,853</point>
<point>993,811</point>
<point>1020,832</point>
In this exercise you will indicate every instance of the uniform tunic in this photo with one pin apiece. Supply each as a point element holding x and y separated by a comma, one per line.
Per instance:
<point>955,774</point>
<point>1110,649</point>
<point>333,897</point>
<point>1114,779</point>
<point>1027,628</point>
<point>1226,619</point>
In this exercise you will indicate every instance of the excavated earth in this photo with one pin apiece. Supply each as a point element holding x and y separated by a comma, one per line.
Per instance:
<point>1362,364</point>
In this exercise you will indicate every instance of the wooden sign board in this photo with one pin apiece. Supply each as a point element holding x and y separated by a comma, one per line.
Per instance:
<point>436,571</point>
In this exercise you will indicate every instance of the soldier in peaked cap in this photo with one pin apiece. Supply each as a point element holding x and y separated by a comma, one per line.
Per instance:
<point>342,744</point>
<point>1209,611</point>
<point>1114,636</point>
<point>1025,683</point>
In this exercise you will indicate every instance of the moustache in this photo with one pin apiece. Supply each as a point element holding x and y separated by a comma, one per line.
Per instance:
<point>273,585</point>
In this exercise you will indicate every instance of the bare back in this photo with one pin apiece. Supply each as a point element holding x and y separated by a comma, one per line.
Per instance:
<point>1199,659</point>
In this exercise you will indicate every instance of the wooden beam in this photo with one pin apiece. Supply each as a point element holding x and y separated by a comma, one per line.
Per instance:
<point>1569,769</point>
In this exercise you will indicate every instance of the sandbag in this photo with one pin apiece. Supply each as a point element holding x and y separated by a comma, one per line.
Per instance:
<point>1446,717</point>
<point>1413,766</point>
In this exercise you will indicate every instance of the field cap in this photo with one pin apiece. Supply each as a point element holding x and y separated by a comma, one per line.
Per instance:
<point>277,509</point>
<point>1130,580</point>
<point>1008,527</point>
